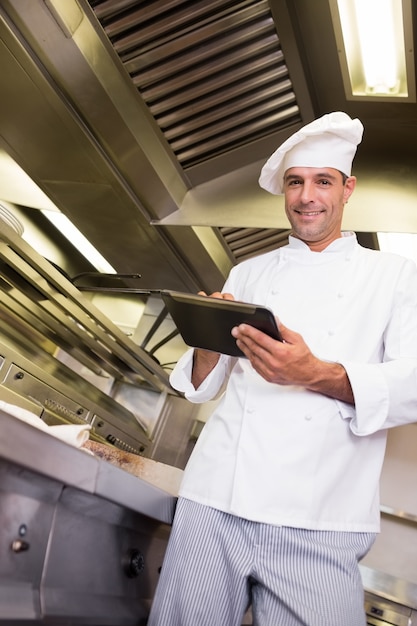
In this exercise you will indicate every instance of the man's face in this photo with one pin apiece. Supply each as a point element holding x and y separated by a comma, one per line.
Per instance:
<point>314,202</point>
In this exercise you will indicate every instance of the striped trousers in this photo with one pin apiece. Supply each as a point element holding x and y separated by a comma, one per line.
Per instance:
<point>217,565</point>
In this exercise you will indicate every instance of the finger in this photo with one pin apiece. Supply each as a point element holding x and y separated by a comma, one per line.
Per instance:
<point>288,335</point>
<point>215,294</point>
<point>222,296</point>
<point>257,348</point>
<point>253,336</point>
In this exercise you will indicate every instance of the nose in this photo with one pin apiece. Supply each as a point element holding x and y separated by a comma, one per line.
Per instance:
<point>307,192</point>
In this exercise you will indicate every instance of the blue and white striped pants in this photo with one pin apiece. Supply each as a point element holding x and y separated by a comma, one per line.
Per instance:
<point>217,565</point>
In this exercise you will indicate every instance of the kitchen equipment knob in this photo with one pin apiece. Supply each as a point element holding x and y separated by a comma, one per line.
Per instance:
<point>134,563</point>
<point>22,530</point>
<point>18,545</point>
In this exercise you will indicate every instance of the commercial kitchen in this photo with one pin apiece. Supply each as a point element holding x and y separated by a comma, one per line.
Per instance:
<point>145,124</point>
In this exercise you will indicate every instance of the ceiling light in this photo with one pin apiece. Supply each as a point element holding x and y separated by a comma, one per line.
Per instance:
<point>18,188</point>
<point>404,244</point>
<point>375,46</point>
<point>77,239</point>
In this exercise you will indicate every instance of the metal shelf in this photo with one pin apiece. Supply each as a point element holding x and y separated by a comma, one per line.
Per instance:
<point>48,308</point>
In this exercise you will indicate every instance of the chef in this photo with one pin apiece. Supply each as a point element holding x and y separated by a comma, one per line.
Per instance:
<point>279,501</point>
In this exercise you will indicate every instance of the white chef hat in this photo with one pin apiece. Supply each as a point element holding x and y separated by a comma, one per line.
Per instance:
<point>329,141</point>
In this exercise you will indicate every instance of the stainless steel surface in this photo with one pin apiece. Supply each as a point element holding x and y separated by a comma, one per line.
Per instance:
<point>42,299</point>
<point>389,600</point>
<point>58,395</point>
<point>389,587</point>
<point>44,315</point>
<point>399,514</point>
<point>66,360</point>
<point>81,541</point>
<point>203,105</point>
<point>185,101</point>
<point>380,612</point>
<point>112,202</point>
<point>36,451</point>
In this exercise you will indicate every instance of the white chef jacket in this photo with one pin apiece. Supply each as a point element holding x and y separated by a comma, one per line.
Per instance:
<point>288,456</point>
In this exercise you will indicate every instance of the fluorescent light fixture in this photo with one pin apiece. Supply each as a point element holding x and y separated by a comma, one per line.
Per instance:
<point>404,244</point>
<point>74,236</point>
<point>376,48</point>
<point>18,188</point>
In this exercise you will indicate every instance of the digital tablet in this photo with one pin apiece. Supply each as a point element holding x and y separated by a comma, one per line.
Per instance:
<point>206,323</point>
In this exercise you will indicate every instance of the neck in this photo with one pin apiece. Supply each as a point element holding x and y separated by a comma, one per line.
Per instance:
<point>318,246</point>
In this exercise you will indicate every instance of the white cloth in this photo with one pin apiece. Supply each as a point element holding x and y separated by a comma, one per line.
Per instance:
<point>284,455</point>
<point>74,434</point>
<point>329,141</point>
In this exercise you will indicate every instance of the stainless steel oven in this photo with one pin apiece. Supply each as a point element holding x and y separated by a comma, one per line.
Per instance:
<point>383,612</point>
<point>389,601</point>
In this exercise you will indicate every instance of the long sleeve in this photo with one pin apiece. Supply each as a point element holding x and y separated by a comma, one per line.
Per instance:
<point>211,388</point>
<point>386,393</point>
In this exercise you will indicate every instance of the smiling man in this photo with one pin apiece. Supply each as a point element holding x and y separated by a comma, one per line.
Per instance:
<point>279,500</point>
<point>314,201</point>
<point>313,169</point>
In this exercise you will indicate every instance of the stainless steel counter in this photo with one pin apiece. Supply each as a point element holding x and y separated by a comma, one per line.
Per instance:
<point>389,587</point>
<point>388,599</point>
<point>81,541</point>
<point>35,450</point>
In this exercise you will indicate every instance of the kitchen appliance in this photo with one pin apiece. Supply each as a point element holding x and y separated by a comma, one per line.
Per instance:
<point>64,359</point>
<point>388,600</point>
<point>381,612</point>
<point>81,541</point>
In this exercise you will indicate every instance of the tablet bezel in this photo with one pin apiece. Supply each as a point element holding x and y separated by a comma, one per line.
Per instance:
<point>206,322</point>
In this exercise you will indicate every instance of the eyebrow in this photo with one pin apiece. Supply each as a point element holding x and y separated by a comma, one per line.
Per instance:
<point>319,175</point>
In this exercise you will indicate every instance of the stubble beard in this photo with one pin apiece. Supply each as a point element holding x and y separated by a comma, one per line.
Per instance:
<point>305,231</point>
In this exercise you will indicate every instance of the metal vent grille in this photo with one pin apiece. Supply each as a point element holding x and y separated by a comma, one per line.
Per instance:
<point>212,72</point>
<point>244,243</point>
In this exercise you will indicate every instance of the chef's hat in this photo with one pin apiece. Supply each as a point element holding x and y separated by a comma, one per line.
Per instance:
<point>329,141</point>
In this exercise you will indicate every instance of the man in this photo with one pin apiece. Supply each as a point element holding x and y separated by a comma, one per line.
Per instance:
<point>279,500</point>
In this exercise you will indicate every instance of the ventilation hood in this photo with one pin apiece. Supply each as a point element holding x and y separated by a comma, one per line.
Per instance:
<point>147,123</point>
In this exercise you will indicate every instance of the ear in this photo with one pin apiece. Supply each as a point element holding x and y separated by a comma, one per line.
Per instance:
<point>349,188</point>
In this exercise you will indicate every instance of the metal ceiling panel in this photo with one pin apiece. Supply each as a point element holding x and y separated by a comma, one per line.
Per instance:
<point>245,243</point>
<point>212,73</point>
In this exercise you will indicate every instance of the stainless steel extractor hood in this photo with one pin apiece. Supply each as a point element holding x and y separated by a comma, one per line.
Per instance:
<point>147,124</point>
